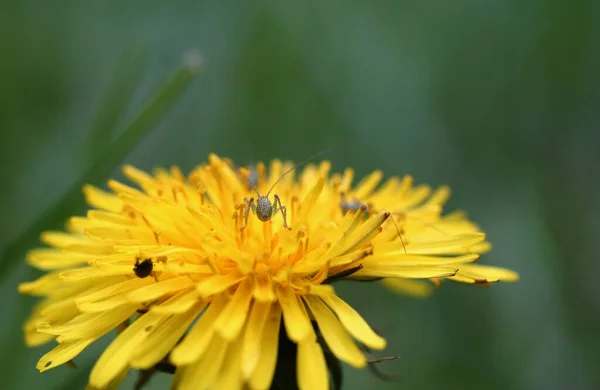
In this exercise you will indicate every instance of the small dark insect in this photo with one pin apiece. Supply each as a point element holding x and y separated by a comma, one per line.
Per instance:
<point>144,268</point>
<point>264,209</point>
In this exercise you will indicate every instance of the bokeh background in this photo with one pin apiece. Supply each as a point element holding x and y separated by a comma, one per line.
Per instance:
<point>498,99</point>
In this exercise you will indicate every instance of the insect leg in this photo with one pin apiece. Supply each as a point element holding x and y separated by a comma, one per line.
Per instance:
<point>249,206</point>
<point>283,210</point>
<point>399,235</point>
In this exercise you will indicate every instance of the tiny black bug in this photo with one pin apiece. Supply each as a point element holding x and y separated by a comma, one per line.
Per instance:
<point>143,269</point>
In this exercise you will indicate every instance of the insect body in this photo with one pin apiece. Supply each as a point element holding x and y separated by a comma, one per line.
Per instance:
<point>144,268</point>
<point>264,209</point>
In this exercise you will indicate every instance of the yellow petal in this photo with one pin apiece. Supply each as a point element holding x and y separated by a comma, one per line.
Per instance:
<point>51,259</point>
<point>78,274</point>
<point>486,274</point>
<point>232,318</point>
<point>58,311</point>
<point>349,258</point>
<point>320,289</point>
<point>62,354</point>
<point>230,376</point>
<point>440,195</point>
<point>75,323</point>
<point>197,340</point>
<point>41,286</point>
<point>99,325</point>
<point>111,218</point>
<point>381,271</point>
<point>95,197</point>
<point>114,383</point>
<point>34,339</point>
<point>446,245</point>
<point>217,284</point>
<point>263,289</point>
<point>162,338</point>
<point>263,375</point>
<point>62,239</point>
<point>415,288</point>
<point>354,323</point>
<point>141,178</point>
<point>367,185</point>
<point>154,291</point>
<point>297,323</point>
<point>204,373</point>
<point>103,305</point>
<point>312,369</point>
<point>120,188</point>
<point>253,335</point>
<point>306,206</point>
<point>179,303</point>
<point>364,233</point>
<point>230,178</point>
<point>346,179</point>
<point>413,198</point>
<point>113,290</point>
<point>410,260</point>
<point>116,357</point>
<point>336,337</point>
<point>121,234</point>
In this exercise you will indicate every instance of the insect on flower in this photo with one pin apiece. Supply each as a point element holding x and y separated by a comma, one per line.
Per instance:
<point>145,267</point>
<point>223,307</point>
<point>355,205</point>
<point>264,209</point>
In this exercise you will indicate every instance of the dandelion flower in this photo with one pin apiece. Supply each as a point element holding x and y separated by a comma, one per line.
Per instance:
<point>174,268</point>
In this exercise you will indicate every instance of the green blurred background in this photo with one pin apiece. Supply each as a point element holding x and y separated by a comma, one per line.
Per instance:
<point>498,99</point>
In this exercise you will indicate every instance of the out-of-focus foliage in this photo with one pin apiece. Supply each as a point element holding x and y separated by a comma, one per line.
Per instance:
<point>498,99</point>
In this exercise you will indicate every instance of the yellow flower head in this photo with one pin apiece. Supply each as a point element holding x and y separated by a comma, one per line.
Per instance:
<point>192,278</point>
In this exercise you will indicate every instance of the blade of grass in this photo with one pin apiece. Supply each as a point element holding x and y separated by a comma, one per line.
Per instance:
<point>72,200</point>
<point>124,82</point>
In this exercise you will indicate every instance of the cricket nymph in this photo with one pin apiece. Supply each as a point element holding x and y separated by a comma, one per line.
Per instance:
<point>264,209</point>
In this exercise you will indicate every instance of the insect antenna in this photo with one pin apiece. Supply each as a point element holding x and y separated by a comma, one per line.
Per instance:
<point>297,165</point>
<point>399,235</point>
